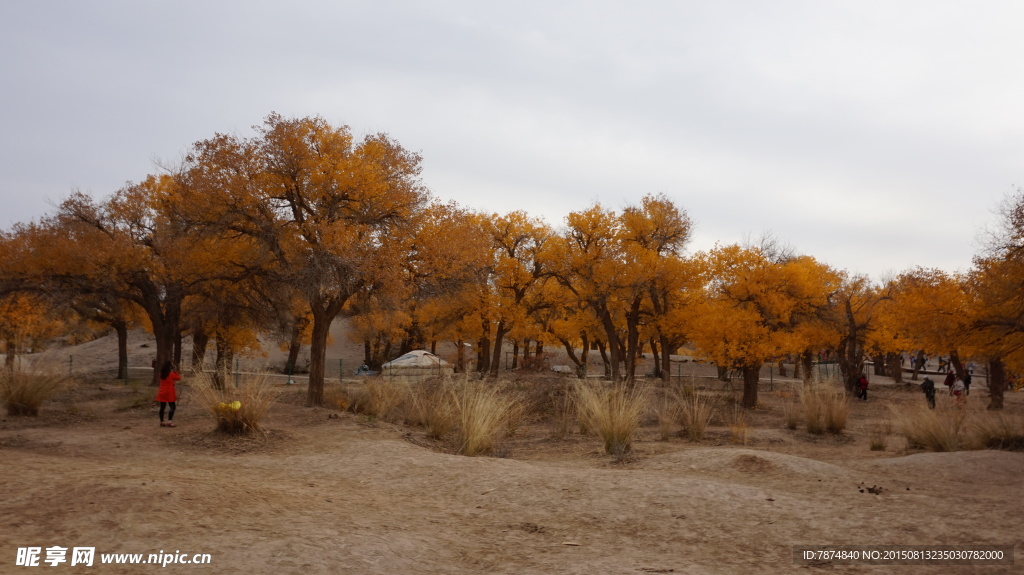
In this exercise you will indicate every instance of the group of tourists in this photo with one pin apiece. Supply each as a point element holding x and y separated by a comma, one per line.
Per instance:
<point>959,388</point>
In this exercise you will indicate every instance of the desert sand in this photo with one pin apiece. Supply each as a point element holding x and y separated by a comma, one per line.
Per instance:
<point>324,491</point>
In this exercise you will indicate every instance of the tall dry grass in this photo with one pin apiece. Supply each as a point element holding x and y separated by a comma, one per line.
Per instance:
<point>485,413</point>
<point>695,413</point>
<point>384,398</point>
<point>613,412</point>
<point>791,413</point>
<point>997,431</point>
<point>428,405</point>
<point>24,388</point>
<point>236,409</point>
<point>667,412</point>
<point>940,429</point>
<point>824,409</point>
<point>739,430</point>
<point>878,439</point>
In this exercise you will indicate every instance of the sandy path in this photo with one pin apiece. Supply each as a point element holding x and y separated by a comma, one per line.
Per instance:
<point>344,496</point>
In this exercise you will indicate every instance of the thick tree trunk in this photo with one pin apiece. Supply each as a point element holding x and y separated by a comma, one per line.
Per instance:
<point>177,350</point>
<point>121,328</point>
<point>165,334</point>
<point>10,353</point>
<point>657,359</point>
<point>222,363</point>
<point>318,357</point>
<point>954,358</point>
<point>851,362</point>
<point>895,366</point>
<point>499,338</point>
<point>807,360</point>
<point>515,354</point>
<point>918,365</point>
<point>879,364</point>
<point>632,339</point>
<point>751,377</point>
<point>782,367</point>
<point>200,339</point>
<point>483,356</point>
<point>460,356</point>
<point>604,358</point>
<point>666,358</point>
<point>996,383</point>
<point>724,373</point>
<point>614,346</point>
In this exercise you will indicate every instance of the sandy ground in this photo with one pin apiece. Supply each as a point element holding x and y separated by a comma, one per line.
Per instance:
<point>329,492</point>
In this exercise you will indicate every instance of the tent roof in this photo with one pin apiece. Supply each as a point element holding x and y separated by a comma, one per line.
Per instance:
<point>417,358</point>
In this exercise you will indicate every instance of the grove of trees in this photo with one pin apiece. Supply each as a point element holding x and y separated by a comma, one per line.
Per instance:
<point>282,232</point>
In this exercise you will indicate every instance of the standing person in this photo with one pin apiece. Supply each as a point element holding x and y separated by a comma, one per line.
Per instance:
<point>950,378</point>
<point>862,387</point>
<point>928,386</point>
<point>167,394</point>
<point>967,383</point>
<point>957,391</point>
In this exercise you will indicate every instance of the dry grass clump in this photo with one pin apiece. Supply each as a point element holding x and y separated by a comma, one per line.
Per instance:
<point>336,398</point>
<point>428,405</point>
<point>791,412</point>
<point>613,412</point>
<point>383,398</point>
<point>668,413</point>
<point>564,414</point>
<point>739,431</point>
<point>939,429</point>
<point>695,413</point>
<point>23,389</point>
<point>484,412</point>
<point>824,409</point>
<point>878,438</point>
<point>236,409</point>
<point>998,431</point>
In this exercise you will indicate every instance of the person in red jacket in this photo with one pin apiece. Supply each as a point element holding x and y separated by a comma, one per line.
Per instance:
<point>862,387</point>
<point>167,395</point>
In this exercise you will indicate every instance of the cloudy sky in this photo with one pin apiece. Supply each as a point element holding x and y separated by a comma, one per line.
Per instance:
<point>875,136</point>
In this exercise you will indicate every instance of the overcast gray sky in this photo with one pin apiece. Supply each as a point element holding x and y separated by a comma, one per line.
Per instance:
<point>875,136</point>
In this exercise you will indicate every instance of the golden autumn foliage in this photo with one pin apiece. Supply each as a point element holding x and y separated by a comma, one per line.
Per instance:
<point>283,231</point>
<point>756,308</point>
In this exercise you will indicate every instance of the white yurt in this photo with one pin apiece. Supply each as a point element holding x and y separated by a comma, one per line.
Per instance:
<point>416,363</point>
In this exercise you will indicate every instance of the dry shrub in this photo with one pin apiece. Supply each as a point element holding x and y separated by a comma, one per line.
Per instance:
<point>791,413</point>
<point>428,404</point>
<point>998,431</point>
<point>23,389</point>
<point>738,428</point>
<point>483,411</point>
<point>824,409</point>
<point>613,412</point>
<point>383,398</point>
<point>837,411</point>
<point>336,398</point>
<point>939,429</point>
<point>564,412</point>
<point>668,413</point>
<point>236,409</point>
<point>878,438</point>
<point>695,413</point>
